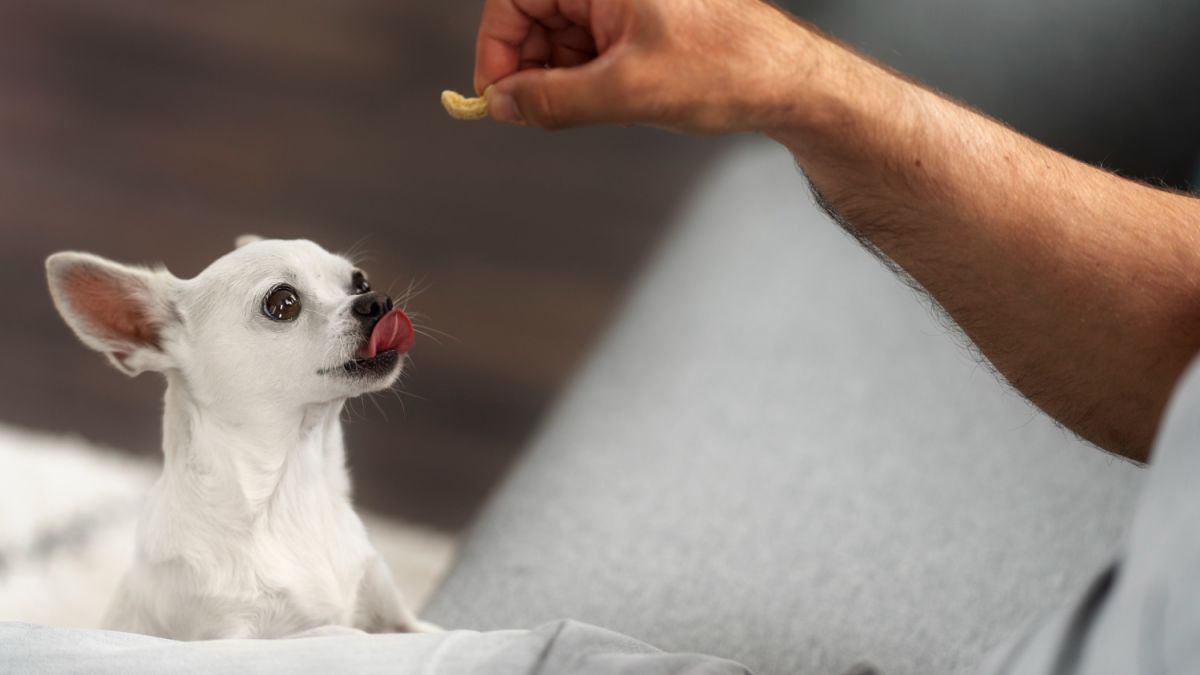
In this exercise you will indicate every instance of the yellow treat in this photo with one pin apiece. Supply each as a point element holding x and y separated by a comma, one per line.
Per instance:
<point>463,108</point>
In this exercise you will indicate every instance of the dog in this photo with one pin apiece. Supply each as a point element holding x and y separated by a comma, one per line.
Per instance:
<point>249,532</point>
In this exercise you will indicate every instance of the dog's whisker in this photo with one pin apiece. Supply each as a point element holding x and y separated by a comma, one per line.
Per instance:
<point>375,402</point>
<point>436,338</point>
<point>430,331</point>
<point>357,250</point>
<point>399,393</point>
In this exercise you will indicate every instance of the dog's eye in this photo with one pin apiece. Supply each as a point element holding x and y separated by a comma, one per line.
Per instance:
<point>282,304</point>
<point>358,283</point>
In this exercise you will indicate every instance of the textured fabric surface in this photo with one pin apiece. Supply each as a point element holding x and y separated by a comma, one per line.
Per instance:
<point>779,456</point>
<point>559,648</point>
<point>1143,616</point>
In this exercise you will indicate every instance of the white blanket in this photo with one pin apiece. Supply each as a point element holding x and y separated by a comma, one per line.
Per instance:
<point>68,513</point>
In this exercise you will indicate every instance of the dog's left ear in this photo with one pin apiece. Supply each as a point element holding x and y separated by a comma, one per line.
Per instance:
<point>118,310</point>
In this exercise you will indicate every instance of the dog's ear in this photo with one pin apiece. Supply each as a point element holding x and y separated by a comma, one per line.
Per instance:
<point>246,240</point>
<point>118,310</point>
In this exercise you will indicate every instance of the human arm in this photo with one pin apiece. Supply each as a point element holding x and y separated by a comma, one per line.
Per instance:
<point>1080,287</point>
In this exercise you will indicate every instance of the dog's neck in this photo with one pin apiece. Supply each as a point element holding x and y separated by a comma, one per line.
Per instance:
<point>244,457</point>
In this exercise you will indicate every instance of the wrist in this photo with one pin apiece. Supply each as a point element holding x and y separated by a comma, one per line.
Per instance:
<point>830,96</point>
<point>759,84</point>
<point>786,80</point>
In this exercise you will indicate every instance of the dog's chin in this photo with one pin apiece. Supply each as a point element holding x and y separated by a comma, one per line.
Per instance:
<point>376,372</point>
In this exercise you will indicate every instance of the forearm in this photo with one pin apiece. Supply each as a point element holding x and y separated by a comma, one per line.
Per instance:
<point>1081,288</point>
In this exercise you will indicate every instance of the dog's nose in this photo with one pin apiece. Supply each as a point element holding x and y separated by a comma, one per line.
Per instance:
<point>371,306</point>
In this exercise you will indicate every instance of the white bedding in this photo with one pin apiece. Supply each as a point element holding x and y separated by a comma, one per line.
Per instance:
<point>68,510</point>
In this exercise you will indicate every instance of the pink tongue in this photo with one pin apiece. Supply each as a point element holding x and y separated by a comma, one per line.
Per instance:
<point>394,332</point>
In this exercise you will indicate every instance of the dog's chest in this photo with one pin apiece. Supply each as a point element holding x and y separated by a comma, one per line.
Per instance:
<point>277,577</point>
<point>309,571</point>
<point>297,586</point>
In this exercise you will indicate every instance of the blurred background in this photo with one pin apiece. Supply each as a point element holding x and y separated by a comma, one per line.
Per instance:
<point>157,132</point>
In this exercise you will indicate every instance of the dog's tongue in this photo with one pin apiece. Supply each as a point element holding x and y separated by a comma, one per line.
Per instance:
<point>393,332</point>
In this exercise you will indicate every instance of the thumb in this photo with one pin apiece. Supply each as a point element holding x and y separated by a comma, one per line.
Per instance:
<point>554,98</point>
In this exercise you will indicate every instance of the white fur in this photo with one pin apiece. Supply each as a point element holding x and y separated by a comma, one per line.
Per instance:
<point>249,532</point>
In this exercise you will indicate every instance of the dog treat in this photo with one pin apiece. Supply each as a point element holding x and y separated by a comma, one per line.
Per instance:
<point>462,108</point>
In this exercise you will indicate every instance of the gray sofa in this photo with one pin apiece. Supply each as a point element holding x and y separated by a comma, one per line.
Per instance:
<point>781,456</point>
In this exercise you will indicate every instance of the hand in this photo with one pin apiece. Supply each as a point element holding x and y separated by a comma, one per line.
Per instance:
<point>701,66</point>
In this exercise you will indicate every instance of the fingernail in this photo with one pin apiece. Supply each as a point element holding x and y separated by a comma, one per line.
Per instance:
<point>504,108</point>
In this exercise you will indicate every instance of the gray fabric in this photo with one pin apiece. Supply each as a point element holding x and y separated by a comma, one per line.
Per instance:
<point>779,456</point>
<point>1144,616</point>
<point>560,648</point>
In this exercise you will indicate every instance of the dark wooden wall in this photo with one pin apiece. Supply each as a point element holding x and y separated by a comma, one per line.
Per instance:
<point>153,131</point>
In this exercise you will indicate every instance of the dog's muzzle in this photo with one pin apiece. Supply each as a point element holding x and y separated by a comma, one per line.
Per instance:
<point>386,329</point>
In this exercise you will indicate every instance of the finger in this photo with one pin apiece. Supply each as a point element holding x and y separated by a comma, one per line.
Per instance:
<point>557,98</point>
<point>556,13</point>
<point>578,12</point>
<point>536,48</point>
<point>565,57</point>
<point>571,46</point>
<point>575,37</point>
<point>504,26</point>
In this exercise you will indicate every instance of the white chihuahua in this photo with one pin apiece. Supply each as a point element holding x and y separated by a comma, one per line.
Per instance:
<point>250,531</point>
